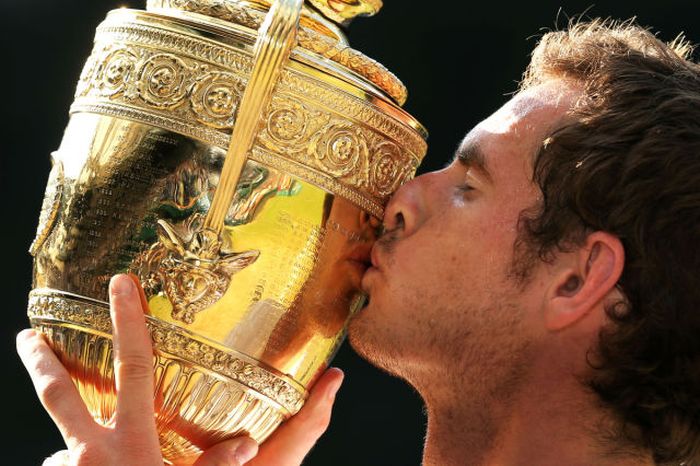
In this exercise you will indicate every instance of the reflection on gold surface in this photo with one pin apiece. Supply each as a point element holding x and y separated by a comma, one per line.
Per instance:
<point>287,288</point>
<point>249,292</point>
<point>296,246</point>
<point>189,267</point>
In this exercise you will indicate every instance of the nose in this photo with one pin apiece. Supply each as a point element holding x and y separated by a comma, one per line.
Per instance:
<point>404,212</point>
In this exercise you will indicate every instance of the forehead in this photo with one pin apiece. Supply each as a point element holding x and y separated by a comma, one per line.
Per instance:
<point>518,128</point>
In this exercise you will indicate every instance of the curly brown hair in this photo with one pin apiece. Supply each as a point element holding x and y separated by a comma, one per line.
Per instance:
<point>629,164</point>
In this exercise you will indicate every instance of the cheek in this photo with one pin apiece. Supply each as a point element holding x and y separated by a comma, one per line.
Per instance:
<point>437,261</point>
<point>485,254</point>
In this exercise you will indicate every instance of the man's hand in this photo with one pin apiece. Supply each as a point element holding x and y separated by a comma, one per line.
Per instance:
<point>131,437</point>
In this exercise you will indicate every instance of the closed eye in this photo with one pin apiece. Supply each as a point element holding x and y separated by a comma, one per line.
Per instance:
<point>464,188</point>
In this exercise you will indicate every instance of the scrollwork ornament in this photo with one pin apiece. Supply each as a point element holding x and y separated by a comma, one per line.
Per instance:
<point>215,98</point>
<point>287,122</point>
<point>331,138</point>
<point>388,169</point>
<point>339,148</point>
<point>115,72</point>
<point>87,75</point>
<point>162,81</point>
<point>51,308</point>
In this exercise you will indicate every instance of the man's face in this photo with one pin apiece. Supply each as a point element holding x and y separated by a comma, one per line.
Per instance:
<point>441,294</point>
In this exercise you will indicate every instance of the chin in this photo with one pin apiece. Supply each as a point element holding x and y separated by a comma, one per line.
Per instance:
<point>361,332</point>
<point>374,341</point>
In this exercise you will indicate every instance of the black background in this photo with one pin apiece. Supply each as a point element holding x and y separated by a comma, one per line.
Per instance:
<point>460,61</point>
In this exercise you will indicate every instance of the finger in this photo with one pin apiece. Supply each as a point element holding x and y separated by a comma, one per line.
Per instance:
<point>292,441</point>
<point>142,294</point>
<point>133,356</point>
<point>234,452</point>
<point>55,388</point>
<point>60,458</point>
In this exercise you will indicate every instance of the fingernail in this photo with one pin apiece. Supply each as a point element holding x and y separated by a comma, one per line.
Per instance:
<point>26,334</point>
<point>23,338</point>
<point>334,387</point>
<point>121,285</point>
<point>246,450</point>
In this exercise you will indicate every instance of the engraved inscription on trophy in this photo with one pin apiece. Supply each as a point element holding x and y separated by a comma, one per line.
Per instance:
<point>50,206</point>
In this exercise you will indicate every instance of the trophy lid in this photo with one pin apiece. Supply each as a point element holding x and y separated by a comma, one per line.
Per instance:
<point>342,11</point>
<point>318,32</point>
<point>338,11</point>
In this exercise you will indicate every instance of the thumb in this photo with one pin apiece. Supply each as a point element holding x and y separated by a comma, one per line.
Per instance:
<point>293,440</point>
<point>233,452</point>
<point>60,458</point>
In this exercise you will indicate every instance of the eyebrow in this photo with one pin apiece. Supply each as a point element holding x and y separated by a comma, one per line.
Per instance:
<point>471,155</point>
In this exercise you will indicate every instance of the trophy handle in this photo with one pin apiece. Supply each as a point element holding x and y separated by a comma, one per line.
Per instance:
<point>276,38</point>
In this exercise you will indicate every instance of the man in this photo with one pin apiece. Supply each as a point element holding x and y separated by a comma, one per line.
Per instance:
<point>539,292</point>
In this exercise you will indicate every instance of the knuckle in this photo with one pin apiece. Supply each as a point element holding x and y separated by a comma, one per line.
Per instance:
<point>135,366</point>
<point>139,448</point>
<point>120,301</point>
<point>52,390</point>
<point>34,350</point>
<point>317,424</point>
<point>90,455</point>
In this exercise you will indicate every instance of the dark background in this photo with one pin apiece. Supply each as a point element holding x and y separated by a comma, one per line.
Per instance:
<point>460,60</point>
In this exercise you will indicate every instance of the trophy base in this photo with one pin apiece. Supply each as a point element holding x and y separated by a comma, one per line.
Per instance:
<point>203,394</point>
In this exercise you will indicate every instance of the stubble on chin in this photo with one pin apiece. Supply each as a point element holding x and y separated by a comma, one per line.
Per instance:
<point>420,335</point>
<point>485,358</point>
<point>367,335</point>
<point>375,344</point>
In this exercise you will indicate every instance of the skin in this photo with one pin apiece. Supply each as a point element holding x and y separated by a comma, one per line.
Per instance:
<point>132,437</point>
<point>497,361</point>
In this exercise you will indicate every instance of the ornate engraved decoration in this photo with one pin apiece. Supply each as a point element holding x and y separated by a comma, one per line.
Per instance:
<point>115,70</point>
<point>215,97</point>
<point>309,39</point>
<point>93,316</point>
<point>221,9</point>
<point>141,198</point>
<point>331,145</point>
<point>189,265</point>
<point>356,61</point>
<point>334,140</point>
<point>161,81</point>
<point>388,168</point>
<point>176,377</point>
<point>339,148</point>
<point>291,122</point>
<point>50,206</point>
<point>344,10</point>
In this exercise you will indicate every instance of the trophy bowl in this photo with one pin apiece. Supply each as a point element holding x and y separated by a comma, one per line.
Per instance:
<point>235,156</point>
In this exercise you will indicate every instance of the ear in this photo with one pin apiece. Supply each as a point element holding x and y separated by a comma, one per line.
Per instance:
<point>584,279</point>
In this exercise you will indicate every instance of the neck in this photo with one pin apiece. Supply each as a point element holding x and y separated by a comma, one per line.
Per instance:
<point>550,420</point>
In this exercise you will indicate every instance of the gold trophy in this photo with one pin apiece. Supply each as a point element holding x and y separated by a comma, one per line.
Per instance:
<point>236,156</point>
